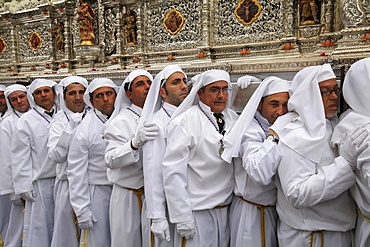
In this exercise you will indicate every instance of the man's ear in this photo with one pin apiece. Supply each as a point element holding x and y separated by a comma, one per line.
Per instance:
<point>129,94</point>
<point>259,108</point>
<point>92,102</point>
<point>162,92</point>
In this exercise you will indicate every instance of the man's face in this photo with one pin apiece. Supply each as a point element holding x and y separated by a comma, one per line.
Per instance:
<point>329,101</point>
<point>139,90</point>
<point>215,95</point>
<point>19,101</point>
<point>73,97</point>
<point>44,97</point>
<point>273,106</point>
<point>103,99</point>
<point>3,105</point>
<point>175,89</point>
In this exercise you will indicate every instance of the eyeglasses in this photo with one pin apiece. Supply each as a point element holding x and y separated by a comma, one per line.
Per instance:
<point>217,90</point>
<point>337,91</point>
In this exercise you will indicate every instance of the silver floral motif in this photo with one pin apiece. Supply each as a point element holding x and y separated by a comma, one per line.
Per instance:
<point>351,13</point>
<point>157,39</point>
<point>25,52</point>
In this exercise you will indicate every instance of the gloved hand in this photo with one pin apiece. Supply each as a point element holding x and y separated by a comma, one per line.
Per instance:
<point>86,220</point>
<point>160,228</point>
<point>279,124</point>
<point>75,120</point>
<point>353,145</point>
<point>245,81</point>
<point>186,229</point>
<point>30,196</point>
<point>147,132</point>
<point>16,199</point>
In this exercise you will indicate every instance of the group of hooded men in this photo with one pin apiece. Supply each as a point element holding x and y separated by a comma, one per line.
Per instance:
<point>151,164</point>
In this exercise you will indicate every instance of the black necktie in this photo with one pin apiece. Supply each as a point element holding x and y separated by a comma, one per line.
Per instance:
<point>220,122</point>
<point>50,113</point>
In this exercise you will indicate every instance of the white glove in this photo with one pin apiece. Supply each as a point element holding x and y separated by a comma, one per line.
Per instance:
<point>160,228</point>
<point>16,199</point>
<point>75,120</point>
<point>86,220</point>
<point>30,196</point>
<point>147,132</point>
<point>245,81</point>
<point>280,123</point>
<point>186,229</point>
<point>352,146</point>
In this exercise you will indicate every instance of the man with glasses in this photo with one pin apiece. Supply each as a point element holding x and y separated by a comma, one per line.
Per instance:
<point>198,183</point>
<point>356,95</point>
<point>314,203</point>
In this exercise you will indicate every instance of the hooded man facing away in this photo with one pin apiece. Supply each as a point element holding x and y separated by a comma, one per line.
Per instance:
<point>313,200</point>
<point>355,92</point>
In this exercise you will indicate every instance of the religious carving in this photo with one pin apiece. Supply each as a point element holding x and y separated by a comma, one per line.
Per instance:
<point>58,31</point>
<point>86,18</point>
<point>327,43</point>
<point>136,59</point>
<point>245,51</point>
<point>129,26</point>
<point>247,11</point>
<point>308,12</point>
<point>2,45</point>
<point>171,57</point>
<point>350,12</point>
<point>35,41</point>
<point>173,21</point>
<point>201,54</point>
<point>366,37</point>
<point>287,46</point>
<point>110,24</point>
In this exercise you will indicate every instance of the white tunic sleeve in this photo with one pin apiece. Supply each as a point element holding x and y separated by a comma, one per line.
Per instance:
<point>260,157</point>
<point>175,173</point>
<point>21,159</point>
<point>305,185</point>
<point>153,152</point>
<point>119,153</point>
<point>78,173</point>
<point>59,138</point>
<point>6,132</point>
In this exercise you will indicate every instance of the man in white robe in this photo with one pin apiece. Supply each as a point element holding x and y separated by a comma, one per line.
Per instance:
<point>355,92</point>
<point>17,102</point>
<point>3,105</point>
<point>313,200</point>
<point>5,204</point>
<point>198,183</point>
<point>33,170</point>
<point>123,156</point>
<point>253,216</point>
<point>166,93</point>
<point>89,187</point>
<point>70,92</point>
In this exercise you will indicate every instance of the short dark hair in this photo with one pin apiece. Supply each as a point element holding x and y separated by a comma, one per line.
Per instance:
<point>126,86</point>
